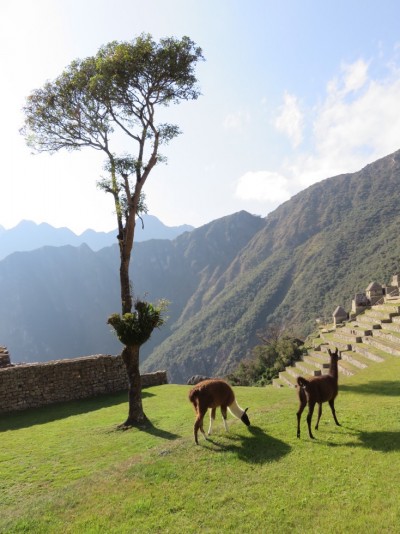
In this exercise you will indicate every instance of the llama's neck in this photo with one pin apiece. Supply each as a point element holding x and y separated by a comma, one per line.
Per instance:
<point>236,410</point>
<point>333,369</point>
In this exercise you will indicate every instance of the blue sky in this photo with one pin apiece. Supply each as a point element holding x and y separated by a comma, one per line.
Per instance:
<point>293,92</point>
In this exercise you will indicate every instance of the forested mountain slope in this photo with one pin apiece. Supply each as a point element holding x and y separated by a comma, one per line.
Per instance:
<point>54,301</point>
<point>314,252</point>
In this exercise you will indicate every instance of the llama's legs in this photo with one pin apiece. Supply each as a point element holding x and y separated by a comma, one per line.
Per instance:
<point>319,414</point>
<point>309,418</point>
<point>332,405</point>
<point>212,419</point>
<point>303,404</point>
<point>224,411</point>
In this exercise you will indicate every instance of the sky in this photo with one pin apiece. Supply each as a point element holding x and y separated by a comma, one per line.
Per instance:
<point>293,92</point>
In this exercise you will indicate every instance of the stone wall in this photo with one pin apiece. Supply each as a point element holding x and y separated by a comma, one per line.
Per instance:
<point>4,357</point>
<point>37,384</point>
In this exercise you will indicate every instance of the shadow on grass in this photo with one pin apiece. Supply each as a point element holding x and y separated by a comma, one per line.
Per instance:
<point>380,441</point>
<point>389,388</point>
<point>149,428</point>
<point>256,448</point>
<point>57,411</point>
<point>383,441</point>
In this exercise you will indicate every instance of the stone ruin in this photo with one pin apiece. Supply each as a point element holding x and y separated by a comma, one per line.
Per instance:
<point>33,385</point>
<point>373,294</point>
<point>4,358</point>
<point>195,379</point>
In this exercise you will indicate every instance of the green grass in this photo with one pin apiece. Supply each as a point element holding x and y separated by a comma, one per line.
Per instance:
<point>67,468</point>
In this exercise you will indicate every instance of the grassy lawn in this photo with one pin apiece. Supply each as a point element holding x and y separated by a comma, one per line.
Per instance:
<point>66,468</point>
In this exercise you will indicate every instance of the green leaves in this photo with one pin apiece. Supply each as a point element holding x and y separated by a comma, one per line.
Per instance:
<point>136,328</point>
<point>116,91</point>
<point>266,362</point>
<point>117,88</point>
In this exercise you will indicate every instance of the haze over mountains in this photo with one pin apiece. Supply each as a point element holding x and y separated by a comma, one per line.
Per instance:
<point>227,281</point>
<point>28,235</point>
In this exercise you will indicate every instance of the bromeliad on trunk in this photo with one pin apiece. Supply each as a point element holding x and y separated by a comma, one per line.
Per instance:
<point>134,329</point>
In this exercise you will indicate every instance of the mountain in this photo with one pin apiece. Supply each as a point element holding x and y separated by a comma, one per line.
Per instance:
<point>314,253</point>
<point>227,281</point>
<point>55,300</point>
<point>28,235</point>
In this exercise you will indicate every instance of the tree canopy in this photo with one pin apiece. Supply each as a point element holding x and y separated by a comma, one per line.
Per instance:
<point>116,92</point>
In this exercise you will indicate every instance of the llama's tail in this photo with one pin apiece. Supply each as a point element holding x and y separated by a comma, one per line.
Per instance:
<point>194,399</point>
<point>302,382</point>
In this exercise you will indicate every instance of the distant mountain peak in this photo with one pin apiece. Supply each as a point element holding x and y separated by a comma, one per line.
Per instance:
<point>28,235</point>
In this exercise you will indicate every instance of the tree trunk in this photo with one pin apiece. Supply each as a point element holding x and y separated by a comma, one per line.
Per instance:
<point>136,415</point>
<point>126,296</point>
<point>125,249</point>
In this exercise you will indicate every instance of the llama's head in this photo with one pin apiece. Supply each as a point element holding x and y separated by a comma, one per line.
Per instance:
<point>245,418</point>
<point>335,355</point>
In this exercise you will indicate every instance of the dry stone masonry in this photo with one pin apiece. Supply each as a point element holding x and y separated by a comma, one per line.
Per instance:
<point>37,384</point>
<point>4,358</point>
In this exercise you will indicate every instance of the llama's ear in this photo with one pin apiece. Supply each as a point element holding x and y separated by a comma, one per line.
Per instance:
<point>245,410</point>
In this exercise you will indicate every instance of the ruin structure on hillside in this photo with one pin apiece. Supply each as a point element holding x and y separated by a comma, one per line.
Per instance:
<point>373,294</point>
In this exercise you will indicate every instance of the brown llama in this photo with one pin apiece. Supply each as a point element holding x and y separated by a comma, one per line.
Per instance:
<point>211,394</point>
<point>317,390</point>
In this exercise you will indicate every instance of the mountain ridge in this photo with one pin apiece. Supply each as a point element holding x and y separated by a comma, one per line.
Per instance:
<point>28,235</point>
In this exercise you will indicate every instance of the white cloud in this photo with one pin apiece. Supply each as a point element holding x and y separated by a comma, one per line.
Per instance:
<point>237,121</point>
<point>290,120</point>
<point>357,123</point>
<point>353,77</point>
<point>356,75</point>
<point>262,186</point>
<point>349,132</point>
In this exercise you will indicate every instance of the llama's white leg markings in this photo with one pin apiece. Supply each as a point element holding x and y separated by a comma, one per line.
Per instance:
<point>211,424</point>
<point>225,424</point>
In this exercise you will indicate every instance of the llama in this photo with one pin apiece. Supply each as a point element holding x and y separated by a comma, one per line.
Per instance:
<point>211,394</point>
<point>318,390</point>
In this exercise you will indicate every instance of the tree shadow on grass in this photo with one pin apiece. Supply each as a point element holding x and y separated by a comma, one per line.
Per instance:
<point>389,388</point>
<point>146,426</point>
<point>158,432</point>
<point>256,448</point>
<point>57,411</point>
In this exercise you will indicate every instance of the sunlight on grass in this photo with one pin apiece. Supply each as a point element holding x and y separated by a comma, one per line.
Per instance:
<point>67,468</point>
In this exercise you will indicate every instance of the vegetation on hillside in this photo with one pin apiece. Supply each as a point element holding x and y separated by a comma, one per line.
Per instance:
<point>277,351</point>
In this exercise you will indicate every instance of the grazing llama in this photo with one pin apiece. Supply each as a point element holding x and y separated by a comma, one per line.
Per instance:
<point>317,390</point>
<point>211,394</point>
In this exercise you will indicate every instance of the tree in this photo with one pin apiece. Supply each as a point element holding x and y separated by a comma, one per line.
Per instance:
<point>89,105</point>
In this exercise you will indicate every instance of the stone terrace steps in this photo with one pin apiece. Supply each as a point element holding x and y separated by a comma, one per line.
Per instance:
<point>373,335</point>
<point>384,345</point>
<point>369,352</point>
